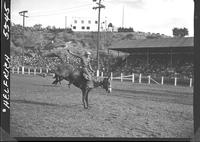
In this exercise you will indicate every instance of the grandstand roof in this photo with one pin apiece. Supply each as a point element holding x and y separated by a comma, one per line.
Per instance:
<point>164,44</point>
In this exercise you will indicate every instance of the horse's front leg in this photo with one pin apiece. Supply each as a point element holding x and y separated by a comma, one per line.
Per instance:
<point>84,99</point>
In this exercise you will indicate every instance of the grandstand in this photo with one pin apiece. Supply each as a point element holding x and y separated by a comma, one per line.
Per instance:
<point>166,56</point>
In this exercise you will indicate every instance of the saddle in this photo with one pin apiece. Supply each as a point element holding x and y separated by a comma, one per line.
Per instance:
<point>87,74</point>
<point>89,79</point>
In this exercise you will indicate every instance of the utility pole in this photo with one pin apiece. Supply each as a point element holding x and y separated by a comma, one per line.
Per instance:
<point>22,13</point>
<point>123,17</point>
<point>98,35</point>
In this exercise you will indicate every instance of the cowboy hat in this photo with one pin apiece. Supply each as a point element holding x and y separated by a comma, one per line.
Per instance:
<point>87,53</point>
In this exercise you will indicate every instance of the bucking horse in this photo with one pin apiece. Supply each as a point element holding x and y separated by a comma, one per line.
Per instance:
<point>76,77</point>
<point>62,72</point>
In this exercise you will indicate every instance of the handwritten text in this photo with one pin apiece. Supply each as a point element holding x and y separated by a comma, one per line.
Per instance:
<point>6,28</point>
<point>6,91</point>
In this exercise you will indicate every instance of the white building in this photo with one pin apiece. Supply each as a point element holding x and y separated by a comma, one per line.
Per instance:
<point>84,24</point>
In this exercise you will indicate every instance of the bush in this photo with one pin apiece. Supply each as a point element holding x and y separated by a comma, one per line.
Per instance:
<point>121,29</point>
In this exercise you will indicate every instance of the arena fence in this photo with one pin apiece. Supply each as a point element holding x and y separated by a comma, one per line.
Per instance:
<point>139,78</point>
<point>134,78</point>
<point>31,70</point>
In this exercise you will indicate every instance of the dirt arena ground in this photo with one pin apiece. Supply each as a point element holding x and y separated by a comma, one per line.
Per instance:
<point>39,109</point>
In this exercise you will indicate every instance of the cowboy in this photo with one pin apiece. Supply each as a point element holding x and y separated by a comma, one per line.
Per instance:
<point>85,62</point>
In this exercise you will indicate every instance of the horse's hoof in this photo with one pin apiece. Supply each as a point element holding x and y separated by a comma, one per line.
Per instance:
<point>85,107</point>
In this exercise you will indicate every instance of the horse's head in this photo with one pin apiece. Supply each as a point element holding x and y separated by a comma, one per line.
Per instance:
<point>106,84</point>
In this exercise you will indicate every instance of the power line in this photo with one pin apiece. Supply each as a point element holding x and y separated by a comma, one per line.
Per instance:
<point>61,11</point>
<point>52,10</point>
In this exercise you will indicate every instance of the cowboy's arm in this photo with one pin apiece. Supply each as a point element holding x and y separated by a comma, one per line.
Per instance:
<point>73,54</point>
<point>90,68</point>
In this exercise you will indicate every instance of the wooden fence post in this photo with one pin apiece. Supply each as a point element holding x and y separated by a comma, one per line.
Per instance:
<point>29,71</point>
<point>140,78</point>
<point>47,70</point>
<point>111,76</point>
<point>175,81</point>
<point>133,77</point>
<point>97,73</point>
<point>162,80</point>
<point>34,71</point>
<point>190,82</point>
<point>40,70</point>
<point>149,79</point>
<point>22,69</point>
<point>121,77</point>
<point>101,74</point>
<point>18,70</point>
<point>13,69</point>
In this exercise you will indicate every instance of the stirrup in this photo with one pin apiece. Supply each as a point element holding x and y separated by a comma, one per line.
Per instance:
<point>87,77</point>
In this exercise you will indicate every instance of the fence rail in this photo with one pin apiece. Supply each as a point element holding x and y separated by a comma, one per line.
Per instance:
<point>134,78</point>
<point>139,78</point>
<point>30,70</point>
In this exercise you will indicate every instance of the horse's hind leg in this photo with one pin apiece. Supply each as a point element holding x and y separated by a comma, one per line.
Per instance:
<point>54,82</point>
<point>70,82</point>
<point>60,79</point>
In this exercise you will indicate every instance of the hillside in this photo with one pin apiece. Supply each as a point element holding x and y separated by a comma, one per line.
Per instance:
<point>47,39</point>
<point>40,43</point>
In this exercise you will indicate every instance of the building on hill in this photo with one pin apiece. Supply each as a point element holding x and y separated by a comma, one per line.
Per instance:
<point>84,24</point>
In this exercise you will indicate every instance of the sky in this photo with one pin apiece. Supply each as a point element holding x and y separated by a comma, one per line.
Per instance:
<point>155,16</point>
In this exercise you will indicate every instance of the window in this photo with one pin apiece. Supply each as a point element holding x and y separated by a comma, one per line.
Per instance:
<point>74,27</point>
<point>89,22</point>
<point>88,28</point>
<point>75,21</point>
<point>95,22</point>
<point>82,22</point>
<point>82,27</point>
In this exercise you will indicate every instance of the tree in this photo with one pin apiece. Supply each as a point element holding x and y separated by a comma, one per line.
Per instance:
<point>154,36</point>
<point>110,25</point>
<point>37,26</point>
<point>48,27</point>
<point>121,29</point>
<point>128,37</point>
<point>180,32</point>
